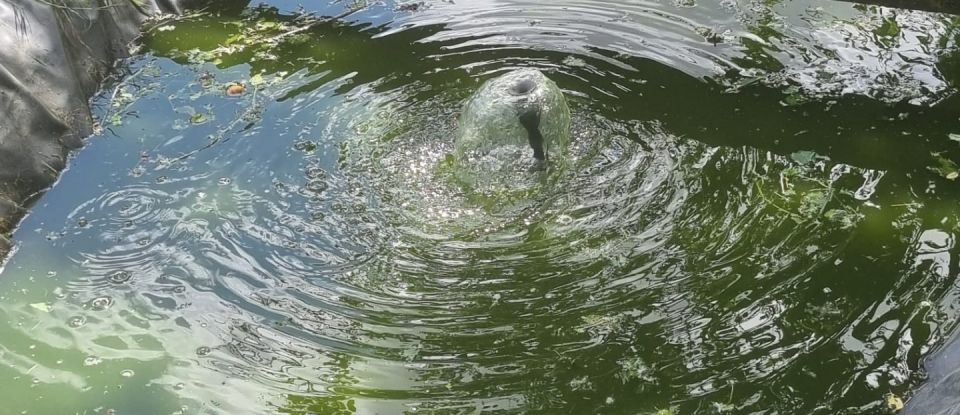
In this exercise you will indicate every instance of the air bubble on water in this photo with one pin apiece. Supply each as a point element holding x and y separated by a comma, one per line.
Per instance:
<point>315,172</point>
<point>101,303</point>
<point>127,373</point>
<point>317,186</point>
<point>119,277</point>
<point>203,351</point>
<point>224,181</point>
<point>76,321</point>
<point>179,386</point>
<point>92,361</point>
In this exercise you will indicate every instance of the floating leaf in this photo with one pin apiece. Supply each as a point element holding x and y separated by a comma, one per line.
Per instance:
<point>894,403</point>
<point>954,137</point>
<point>803,157</point>
<point>267,25</point>
<point>790,172</point>
<point>947,168</point>
<point>813,202</point>
<point>198,118</point>
<point>234,39</point>
<point>794,99</point>
<point>42,307</point>
<point>845,217</point>
<point>256,80</point>
<point>599,321</point>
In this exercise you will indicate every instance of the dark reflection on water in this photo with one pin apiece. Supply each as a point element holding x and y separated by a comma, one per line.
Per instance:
<point>731,237</point>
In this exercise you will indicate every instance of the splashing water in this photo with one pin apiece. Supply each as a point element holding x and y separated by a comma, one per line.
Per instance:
<point>505,117</point>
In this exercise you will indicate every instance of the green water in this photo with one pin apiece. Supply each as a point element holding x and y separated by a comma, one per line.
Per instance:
<point>758,218</point>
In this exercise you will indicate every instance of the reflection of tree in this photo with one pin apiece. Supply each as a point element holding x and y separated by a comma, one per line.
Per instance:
<point>854,129</point>
<point>757,53</point>
<point>938,6</point>
<point>949,64</point>
<point>340,398</point>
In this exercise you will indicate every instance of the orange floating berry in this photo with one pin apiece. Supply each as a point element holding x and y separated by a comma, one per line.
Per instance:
<point>235,90</point>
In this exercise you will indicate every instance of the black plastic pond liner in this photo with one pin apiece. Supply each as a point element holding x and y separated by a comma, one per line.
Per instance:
<point>53,56</point>
<point>940,395</point>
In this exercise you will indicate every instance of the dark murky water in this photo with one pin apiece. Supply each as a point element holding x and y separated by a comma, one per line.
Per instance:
<point>758,217</point>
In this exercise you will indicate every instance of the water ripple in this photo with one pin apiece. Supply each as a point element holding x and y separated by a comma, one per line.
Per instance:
<point>306,249</point>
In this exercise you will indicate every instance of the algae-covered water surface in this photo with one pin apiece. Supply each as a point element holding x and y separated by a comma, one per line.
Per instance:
<point>757,215</point>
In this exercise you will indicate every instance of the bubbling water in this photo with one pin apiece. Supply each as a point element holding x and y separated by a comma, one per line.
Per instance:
<point>502,121</point>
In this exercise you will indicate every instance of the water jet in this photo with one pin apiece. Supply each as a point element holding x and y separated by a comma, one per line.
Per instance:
<point>503,120</point>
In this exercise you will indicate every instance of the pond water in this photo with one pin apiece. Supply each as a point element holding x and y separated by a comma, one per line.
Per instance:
<point>758,216</point>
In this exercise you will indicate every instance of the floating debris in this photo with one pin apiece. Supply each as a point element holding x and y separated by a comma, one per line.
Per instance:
<point>235,89</point>
<point>76,321</point>
<point>634,368</point>
<point>101,303</point>
<point>46,308</point>
<point>946,167</point>
<point>119,277</point>
<point>894,403</point>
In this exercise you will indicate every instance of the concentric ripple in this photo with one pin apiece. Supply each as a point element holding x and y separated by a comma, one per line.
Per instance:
<point>714,245</point>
